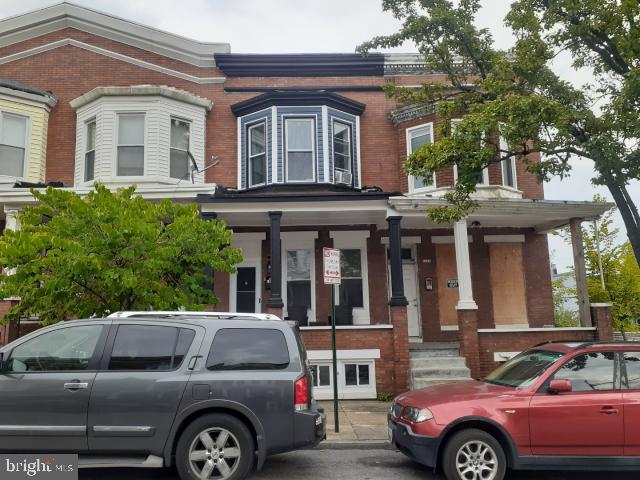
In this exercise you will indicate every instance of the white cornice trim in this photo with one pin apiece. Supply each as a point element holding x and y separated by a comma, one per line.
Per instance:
<point>28,98</point>
<point>141,90</point>
<point>46,20</point>
<point>108,53</point>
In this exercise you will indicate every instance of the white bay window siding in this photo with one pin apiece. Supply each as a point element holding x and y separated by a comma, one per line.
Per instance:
<point>142,140</point>
<point>352,296</point>
<point>13,144</point>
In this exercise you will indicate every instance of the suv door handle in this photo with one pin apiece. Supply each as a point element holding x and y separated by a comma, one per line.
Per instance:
<point>607,410</point>
<point>76,385</point>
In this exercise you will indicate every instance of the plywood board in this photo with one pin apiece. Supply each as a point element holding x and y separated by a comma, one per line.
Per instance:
<point>447,272</point>
<point>507,284</point>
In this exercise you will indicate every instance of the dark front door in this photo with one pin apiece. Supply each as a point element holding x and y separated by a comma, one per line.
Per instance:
<point>246,290</point>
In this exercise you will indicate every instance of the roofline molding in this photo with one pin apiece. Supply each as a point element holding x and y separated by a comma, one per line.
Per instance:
<point>141,90</point>
<point>26,26</point>
<point>295,98</point>
<point>301,65</point>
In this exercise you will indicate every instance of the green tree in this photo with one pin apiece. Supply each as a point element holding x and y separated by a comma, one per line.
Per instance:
<point>514,94</point>
<point>77,257</point>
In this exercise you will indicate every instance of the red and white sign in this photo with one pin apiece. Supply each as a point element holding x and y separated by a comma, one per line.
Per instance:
<point>332,275</point>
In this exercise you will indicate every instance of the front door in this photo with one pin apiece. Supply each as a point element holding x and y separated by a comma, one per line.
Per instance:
<point>246,290</point>
<point>411,292</point>
<point>45,388</point>
<point>586,421</point>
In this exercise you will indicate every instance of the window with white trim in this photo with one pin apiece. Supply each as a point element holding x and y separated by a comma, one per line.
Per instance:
<point>13,144</point>
<point>90,151</point>
<point>321,375</point>
<point>350,290</point>
<point>417,137</point>
<point>130,161</point>
<point>508,167</point>
<point>257,144</point>
<point>298,282</point>
<point>300,149</point>
<point>481,176</point>
<point>342,152</point>
<point>179,166</point>
<point>357,374</point>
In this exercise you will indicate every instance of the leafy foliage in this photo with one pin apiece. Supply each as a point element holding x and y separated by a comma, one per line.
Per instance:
<point>77,257</point>
<point>514,94</point>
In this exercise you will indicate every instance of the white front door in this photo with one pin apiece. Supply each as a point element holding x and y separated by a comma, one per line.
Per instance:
<point>411,292</point>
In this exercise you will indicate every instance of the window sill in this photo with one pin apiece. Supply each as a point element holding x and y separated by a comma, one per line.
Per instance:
<point>350,327</point>
<point>139,180</point>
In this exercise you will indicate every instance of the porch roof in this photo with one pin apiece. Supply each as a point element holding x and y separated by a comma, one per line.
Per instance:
<point>542,215</point>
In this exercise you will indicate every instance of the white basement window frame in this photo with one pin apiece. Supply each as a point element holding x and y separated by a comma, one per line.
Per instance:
<point>14,144</point>
<point>362,361</point>
<point>355,240</point>
<point>412,133</point>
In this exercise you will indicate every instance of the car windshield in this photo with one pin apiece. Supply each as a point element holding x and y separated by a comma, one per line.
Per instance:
<point>523,369</point>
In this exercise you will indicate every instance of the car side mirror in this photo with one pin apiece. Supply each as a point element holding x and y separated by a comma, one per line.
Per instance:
<point>560,386</point>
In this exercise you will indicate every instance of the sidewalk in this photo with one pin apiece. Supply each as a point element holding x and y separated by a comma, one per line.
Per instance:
<point>362,423</point>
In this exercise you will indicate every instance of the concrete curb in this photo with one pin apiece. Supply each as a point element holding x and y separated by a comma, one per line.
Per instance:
<point>355,445</point>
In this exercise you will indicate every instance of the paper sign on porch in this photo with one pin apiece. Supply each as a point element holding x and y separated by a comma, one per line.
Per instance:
<point>332,274</point>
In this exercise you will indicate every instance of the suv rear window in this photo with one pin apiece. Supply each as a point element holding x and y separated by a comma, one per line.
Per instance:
<point>248,349</point>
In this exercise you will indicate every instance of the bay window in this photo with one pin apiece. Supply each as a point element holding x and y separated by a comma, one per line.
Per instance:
<point>300,151</point>
<point>257,171</point>
<point>90,151</point>
<point>179,149</point>
<point>342,153</point>
<point>13,144</point>
<point>130,160</point>
<point>416,137</point>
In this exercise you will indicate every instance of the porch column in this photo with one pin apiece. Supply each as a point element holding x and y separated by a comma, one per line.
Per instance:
<point>463,265</point>
<point>398,309</point>
<point>582,293</point>
<point>11,218</point>
<point>274,302</point>
<point>467,308</point>
<point>395,258</point>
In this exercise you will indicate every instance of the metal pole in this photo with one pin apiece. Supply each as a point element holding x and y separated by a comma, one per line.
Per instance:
<point>335,359</point>
<point>595,227</point>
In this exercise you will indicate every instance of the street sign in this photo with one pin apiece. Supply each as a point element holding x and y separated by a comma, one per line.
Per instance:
<point>332,274</point>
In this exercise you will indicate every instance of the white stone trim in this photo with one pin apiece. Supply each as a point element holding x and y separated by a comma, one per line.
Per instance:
<point>29,98</point>
<point>350,327</point>
<point>504,238</point>
<point>447,239</point>
<point>141,90</point>
<point>26,26</point>
<point>503,356</point>
<point>449,328</point>
<point>108,53</point>
<point>543,329</point>
<point>601,305</point>
<point>406,241</point>
<point>360,354</point>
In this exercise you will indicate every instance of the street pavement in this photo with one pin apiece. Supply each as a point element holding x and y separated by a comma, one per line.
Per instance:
<point>373,464</point>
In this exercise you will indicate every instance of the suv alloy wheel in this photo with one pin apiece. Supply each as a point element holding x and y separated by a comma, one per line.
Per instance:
<point>215,447</point>
<point>474,455</point>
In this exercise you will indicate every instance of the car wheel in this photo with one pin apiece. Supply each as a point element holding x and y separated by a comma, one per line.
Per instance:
<point>215,447</point>
<point>473,455</point>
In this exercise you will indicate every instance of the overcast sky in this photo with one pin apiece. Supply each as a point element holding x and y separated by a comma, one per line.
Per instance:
<point>281,26</point>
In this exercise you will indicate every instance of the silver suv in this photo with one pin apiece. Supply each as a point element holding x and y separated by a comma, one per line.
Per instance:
<point>212,394</point>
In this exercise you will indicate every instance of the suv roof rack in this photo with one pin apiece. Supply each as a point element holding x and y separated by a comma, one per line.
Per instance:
<point>190,314</point>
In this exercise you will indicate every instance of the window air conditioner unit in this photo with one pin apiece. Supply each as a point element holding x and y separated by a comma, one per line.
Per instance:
<point>343,176</point>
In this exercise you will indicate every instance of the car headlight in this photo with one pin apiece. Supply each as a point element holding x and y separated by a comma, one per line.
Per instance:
<point>417,415</point>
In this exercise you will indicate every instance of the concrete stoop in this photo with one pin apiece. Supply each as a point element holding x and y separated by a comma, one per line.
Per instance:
<point>436,363</point>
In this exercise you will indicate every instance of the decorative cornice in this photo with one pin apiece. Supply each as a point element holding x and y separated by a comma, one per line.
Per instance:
<point>142,90</point>
<point>297,98</point>
<point>14,89</point>
<point>411,112</point>
<point>301,65</point>
<point>26,26</point>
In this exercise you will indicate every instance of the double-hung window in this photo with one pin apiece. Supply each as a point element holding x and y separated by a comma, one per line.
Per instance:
<point>416,137</point>
<point>179,149</point>
<point>300,151</point>
<point>13,144</point>
<point>299,279</point>
<point>342,156</point>
<point>351,288</point>
<point>257,144</point>
<point>508,167</point>
<point>90,151</point>
<point>130,160</point>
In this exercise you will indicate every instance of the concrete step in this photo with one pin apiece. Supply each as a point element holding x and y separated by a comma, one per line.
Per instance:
<point>442,352</point>
<point>442,372</point>
<point>442,362</point>
<point>421,382</point>
<point>433,346</point>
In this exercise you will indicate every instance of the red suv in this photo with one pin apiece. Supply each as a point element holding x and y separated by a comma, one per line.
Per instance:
<point>556,406</point>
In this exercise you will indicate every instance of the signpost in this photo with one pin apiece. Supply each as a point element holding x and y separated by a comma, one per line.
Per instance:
<point>332,276</point>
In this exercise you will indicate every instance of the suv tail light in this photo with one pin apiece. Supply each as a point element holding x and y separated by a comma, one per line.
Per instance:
<point>301,393</point>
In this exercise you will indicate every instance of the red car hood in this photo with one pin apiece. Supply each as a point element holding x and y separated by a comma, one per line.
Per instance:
<point>451,392</point>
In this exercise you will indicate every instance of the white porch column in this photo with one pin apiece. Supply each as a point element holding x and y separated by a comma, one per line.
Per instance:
<point>11,218</point>
<point>463,265</point>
